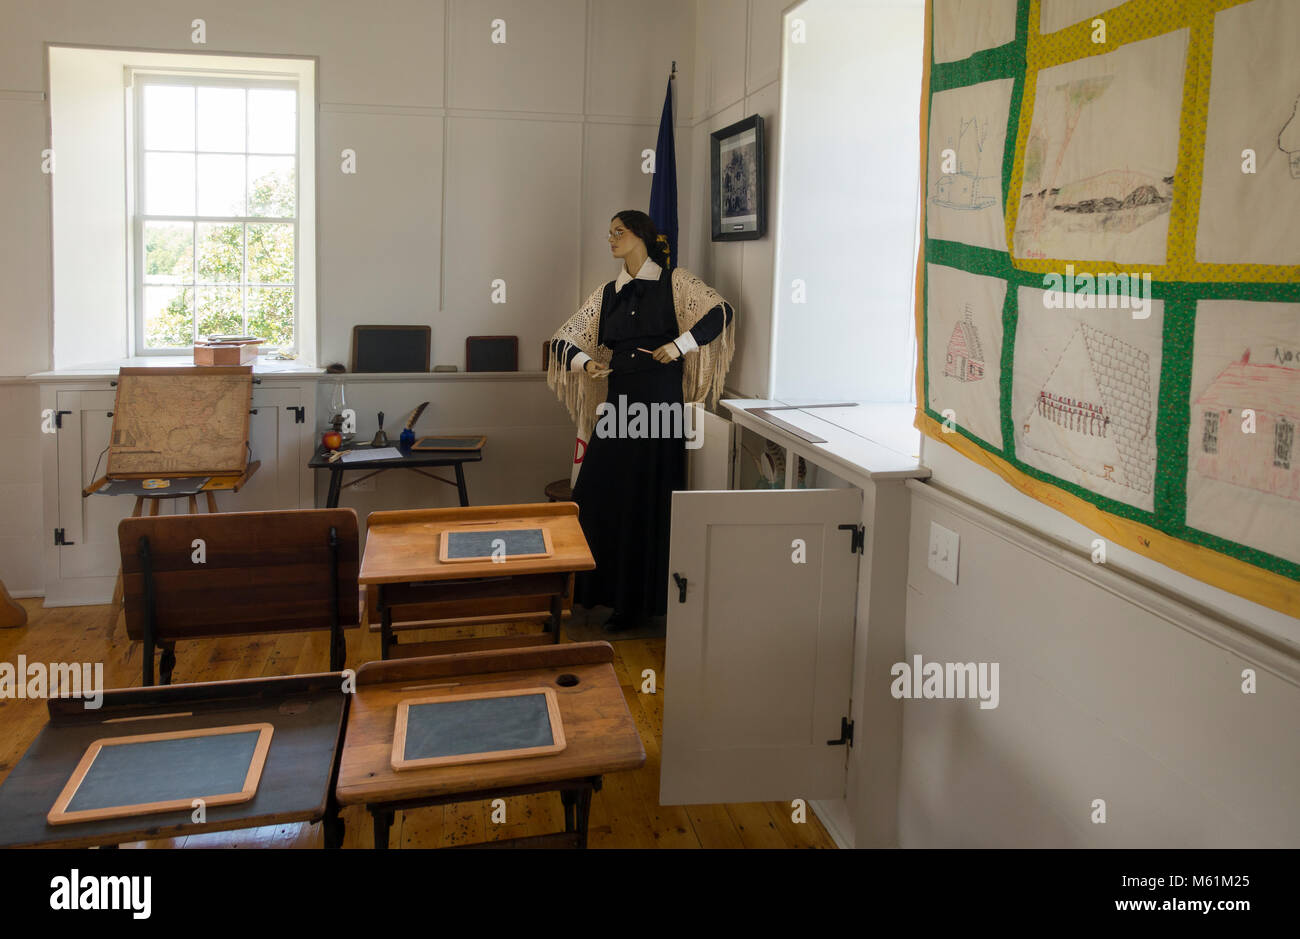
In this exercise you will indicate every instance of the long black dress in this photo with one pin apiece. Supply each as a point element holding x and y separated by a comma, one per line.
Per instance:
<point>624,489</point>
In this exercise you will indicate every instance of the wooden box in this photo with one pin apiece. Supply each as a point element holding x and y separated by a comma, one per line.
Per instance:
<point>226,353</point>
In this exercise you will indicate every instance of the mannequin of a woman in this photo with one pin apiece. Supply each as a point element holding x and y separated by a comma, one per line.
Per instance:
<point>656,338</point>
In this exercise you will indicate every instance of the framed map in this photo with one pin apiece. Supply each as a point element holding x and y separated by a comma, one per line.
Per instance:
<point>1108,293</point>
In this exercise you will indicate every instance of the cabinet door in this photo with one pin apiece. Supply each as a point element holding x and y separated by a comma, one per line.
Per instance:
<point>759,655</point>
<point>275,440</point>
<point>89,524</point>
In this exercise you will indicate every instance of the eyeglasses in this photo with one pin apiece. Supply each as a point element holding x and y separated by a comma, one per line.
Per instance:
<point>616,235</point>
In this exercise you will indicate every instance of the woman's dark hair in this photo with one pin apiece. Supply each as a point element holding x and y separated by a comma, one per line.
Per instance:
<point>639,224</point>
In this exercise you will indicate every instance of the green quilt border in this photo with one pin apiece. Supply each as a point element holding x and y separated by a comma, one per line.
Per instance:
<point>1180,297</point>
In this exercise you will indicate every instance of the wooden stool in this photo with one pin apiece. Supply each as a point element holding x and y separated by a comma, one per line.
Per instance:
<point>559,491</point>
<point>155,504</point>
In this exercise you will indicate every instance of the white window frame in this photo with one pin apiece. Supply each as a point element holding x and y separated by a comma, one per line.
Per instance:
<point>142,78</point>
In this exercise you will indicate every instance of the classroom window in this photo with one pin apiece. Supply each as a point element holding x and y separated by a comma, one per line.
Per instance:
<point>216,217</point>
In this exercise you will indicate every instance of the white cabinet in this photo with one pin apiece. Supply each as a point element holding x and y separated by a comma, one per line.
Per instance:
<point>81,553</point>
<point>771,664</point>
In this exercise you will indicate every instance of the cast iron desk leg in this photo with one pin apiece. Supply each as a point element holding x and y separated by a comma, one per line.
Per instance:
<point>460,484</point>
<point>336,486</point>
<point>383,822</point>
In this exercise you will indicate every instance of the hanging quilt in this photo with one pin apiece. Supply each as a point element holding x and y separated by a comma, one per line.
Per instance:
<point>1108,295</point>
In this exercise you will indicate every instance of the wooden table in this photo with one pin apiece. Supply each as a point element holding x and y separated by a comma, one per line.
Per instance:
<point>401,566</point>
<point>308,713</point>
<point>411,459</point>
<point>601,736</point>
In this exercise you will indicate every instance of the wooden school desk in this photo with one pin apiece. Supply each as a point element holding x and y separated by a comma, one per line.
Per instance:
<point>598,728</point>
<point>401,566</point>
<point>411,459</point>
<point>306,711</point>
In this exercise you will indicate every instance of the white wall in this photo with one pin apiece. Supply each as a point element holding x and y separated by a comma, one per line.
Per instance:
<point>847,221</point>
<point>1107,691</point>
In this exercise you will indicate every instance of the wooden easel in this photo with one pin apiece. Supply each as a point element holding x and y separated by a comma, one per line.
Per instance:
<point>150,408</point>
<point>12,615</point>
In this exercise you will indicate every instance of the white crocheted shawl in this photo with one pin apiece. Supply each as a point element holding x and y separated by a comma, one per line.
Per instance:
<point>704,369</point>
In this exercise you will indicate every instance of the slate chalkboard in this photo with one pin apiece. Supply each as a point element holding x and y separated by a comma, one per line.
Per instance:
<point>147,773</point>
<point>390,348</point>
<point>492,354</point>
<point>479,544</point>
<point>449,443</point>
<point>474,728</point>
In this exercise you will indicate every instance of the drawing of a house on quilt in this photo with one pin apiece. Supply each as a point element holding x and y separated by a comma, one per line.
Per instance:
<point>1095,410</point>
<point>965,361</point>
<point>1267,459</point>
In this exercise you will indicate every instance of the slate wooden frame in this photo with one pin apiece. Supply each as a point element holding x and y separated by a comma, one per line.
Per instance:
<point>467,443</point>
<point>59,814</point>
<point>755,123</point>
<point>400,762</point>
<point>444,545</point>
<point>421,334</point>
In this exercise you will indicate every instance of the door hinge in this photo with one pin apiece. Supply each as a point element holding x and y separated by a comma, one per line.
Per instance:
<point>859,540</point>
<point>58,418</point>
<point>846,734</point>
<point>60,539</point>
<point>299,413</point>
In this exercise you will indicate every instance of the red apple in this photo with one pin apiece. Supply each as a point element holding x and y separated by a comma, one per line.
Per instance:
<point>332,440</point>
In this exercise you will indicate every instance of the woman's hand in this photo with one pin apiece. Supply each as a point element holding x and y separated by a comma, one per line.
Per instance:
<point>595,370</point>
<point>667,352</point>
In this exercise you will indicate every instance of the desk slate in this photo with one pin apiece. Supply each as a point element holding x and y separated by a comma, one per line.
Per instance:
<point>600,734</point>
<point>307,712</point>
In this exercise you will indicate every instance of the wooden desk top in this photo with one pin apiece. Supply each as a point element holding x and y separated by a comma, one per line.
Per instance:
<point>598,727</point>
<point>307,712</point>
<point>402,546</point>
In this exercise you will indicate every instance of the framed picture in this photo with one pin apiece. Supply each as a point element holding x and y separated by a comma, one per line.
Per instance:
<point>739,181</point>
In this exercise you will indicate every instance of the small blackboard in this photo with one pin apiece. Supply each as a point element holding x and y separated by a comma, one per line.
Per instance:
<point>475,728</point>
<point>390,348</point>
<point>492,354</point>
<point>488,544</point>
<point>165,772</point>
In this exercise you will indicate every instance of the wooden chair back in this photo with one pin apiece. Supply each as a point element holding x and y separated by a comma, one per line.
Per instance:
<point>239,573</point>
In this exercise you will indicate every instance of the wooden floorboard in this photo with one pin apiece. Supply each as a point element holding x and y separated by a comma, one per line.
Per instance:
<point>625,814</point>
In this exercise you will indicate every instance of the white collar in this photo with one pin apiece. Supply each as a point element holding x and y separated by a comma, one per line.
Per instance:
<point>649,271</point>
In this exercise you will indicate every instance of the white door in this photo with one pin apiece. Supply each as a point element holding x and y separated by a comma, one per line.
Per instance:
<point>89,553</point>
<point>759,656</point>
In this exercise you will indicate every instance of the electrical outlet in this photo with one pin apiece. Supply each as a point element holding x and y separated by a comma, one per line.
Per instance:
<point>943,552</point>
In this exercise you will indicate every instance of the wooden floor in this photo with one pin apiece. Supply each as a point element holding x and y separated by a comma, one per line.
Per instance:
<point>624,814</point>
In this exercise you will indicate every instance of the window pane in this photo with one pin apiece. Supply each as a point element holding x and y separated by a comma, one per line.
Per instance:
<point>270,254</point>
<point>168,317</point>
<point>220,311</point>
<point>168,117</point>
<point>270,314</point>
<point>221,119</point>
<point>168,252</point>
<point>271,186</point>
<point>221,185</point>
<point>272,127</point>
<point>221,254</point>
<point>169,184</point>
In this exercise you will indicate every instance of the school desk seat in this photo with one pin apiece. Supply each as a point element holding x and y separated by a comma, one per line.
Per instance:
<point>238,574</point>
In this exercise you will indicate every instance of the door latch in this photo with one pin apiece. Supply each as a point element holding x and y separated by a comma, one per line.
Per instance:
<point>680,581</point>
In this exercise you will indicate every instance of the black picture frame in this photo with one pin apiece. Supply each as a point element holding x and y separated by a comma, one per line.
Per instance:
<point>738,190</point>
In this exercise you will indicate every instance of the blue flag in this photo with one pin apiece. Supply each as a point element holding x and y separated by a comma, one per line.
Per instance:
<point>663,189</point>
